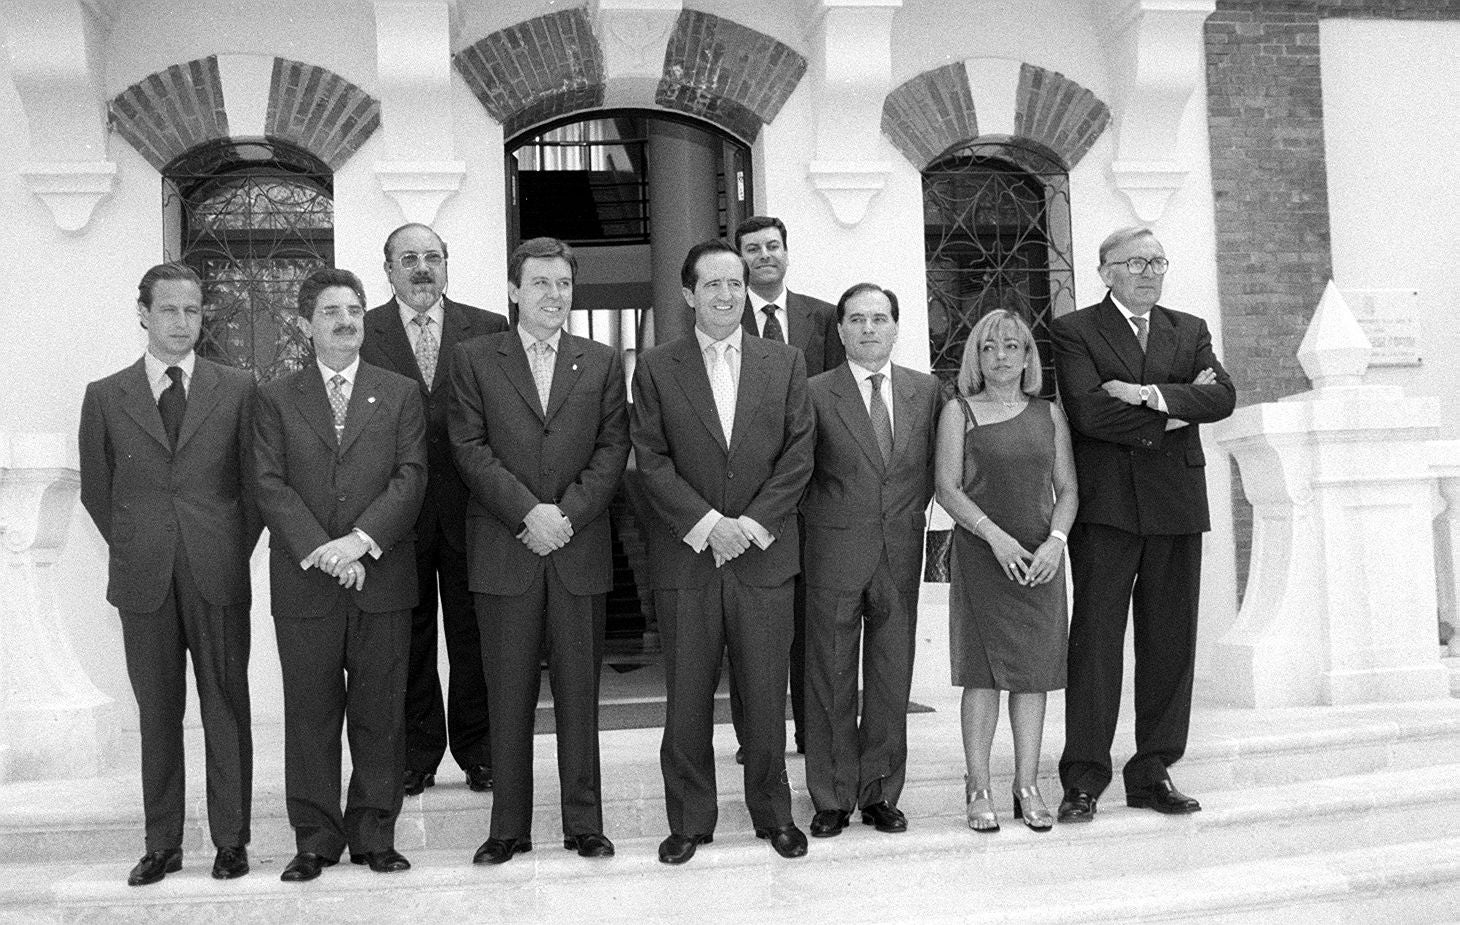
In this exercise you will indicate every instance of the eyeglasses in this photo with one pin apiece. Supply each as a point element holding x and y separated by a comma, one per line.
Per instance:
<point>410,260</point>
<point>1137,265</point>
<point>334,313</point>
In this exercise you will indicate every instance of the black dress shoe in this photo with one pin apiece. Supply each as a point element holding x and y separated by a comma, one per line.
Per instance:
<point>416,782</point>
<point>829,822</point>
<point>500,850</point>
<point>676,849</point>
<point>305,866</point>
<point>384,861</point>
<point>231,862</point>
<point>1163,798</point>
<point>155,865</point>
<point>789,841</point>
<point>478,778</point>
<point>589,845</point>
<point>1077,806</point>
<point>885,816</point>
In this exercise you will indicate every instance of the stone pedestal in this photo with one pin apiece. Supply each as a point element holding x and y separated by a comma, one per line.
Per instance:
<point>1340,603</point>
<point>54,723</point>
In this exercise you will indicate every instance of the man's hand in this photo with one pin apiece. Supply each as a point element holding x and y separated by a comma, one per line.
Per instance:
<point>728,539</point>
<point>334,557</point>
<point>353,575</point>
<point>1205,377</point>
<point>1127,392</point>
<point>548,529</point>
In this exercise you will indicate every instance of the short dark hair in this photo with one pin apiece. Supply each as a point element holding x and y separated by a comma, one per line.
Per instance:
<point>390,238</point>
<point>541,248</point>
<point>858,289</point>
<point>689,272</point>
<point>322,279</point>
<point>759,223</point>
<point>165,271</point>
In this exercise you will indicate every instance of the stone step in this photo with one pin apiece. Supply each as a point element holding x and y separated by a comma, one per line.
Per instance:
<point>100,819</point>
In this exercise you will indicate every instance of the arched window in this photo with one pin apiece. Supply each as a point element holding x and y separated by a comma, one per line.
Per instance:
<point>997,221</point>
<point>253,219</point>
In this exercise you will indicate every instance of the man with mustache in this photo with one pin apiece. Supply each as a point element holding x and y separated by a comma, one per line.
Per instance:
<point>165,462</point>
<point>722,434</point>
<point>341,468</point>
<point>415,335</point>
<point>810,325</point>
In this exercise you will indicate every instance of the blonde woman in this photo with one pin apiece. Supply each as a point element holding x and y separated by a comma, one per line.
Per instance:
<point>1006,474</point>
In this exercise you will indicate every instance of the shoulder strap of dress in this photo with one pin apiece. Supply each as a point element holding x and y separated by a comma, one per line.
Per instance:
<point>967,411</point>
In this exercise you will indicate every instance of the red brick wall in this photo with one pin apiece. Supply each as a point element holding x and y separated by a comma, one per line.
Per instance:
<point>168,112</point>
<point>319,111</point>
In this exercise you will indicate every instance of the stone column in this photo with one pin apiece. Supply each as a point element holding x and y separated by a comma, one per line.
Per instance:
<point>1340,603</point>
<point>55,723</point>
<point>682,213</point>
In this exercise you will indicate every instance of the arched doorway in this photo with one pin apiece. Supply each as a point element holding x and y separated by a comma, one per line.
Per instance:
<point>253,218</point>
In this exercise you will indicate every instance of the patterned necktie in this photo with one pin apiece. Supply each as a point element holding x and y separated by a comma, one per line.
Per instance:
<point>427,347</point>
<point>542,371</point>
<point>339,403</point>
<point>881,420</point>
<point>772,329</point>
<point>172,403</point>
<point>722,384</point>
<point>1142,326</point>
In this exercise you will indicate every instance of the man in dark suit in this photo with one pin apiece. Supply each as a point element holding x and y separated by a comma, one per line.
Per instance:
<point>340,449</point>
<point>540,429</point>
<point>165,463</point>
<point>1136,378</point>
<point>865,514</point>
<point>722,436</point>
<point>415,335</point>
<point>810,325</point>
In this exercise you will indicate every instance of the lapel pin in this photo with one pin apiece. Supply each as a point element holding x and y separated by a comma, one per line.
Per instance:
<point>371,399</point>
<point>575,367</point>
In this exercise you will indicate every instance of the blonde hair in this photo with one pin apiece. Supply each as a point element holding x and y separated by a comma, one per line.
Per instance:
<point>994,326</point>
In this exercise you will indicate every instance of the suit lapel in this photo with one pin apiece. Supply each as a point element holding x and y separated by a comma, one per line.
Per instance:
<point>1121,338</point>
<point>314,404</point>
<point>694,381</point>
<point>518,370</point>
<point>1160,347</point>
<point>140,405</point>
<point>566,370</point>
<point>364,399</point>
<point>202,396</point>
<point>754,365</point>
<point>798,320</point>
<point>394,343</point>
<point>455,328</point>
<point>854,414</point>
<point>905,413</point>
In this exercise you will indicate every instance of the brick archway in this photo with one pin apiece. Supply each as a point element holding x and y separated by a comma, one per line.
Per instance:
<point>176,109</point>
<point>553,66</point>
<point>935,111</point>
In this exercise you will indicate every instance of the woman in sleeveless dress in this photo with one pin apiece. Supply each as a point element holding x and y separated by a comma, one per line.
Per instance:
<point>1006,474</point>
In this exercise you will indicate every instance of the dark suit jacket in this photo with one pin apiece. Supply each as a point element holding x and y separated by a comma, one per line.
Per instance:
<point>687,470</point>
<point>856,506</point>
<point>387,346</point>
<point>813,330</point>
<point>143,495</point>
<point>513,457</point>
<point>1134,474</point>
<point>311,490</point>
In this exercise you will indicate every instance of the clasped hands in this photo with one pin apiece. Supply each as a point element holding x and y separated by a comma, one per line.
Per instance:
<point>340,558</point>
<point>545,529</point>
<point>728,539</point>
<point>1130,392</point>
<point>1021,565</point>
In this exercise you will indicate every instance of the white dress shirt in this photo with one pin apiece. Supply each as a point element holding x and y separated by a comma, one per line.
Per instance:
<point>757,303</point>
<point>437,314</point>
<point>864,386</point>
<point>1129,315</point>
<point>157,373</point>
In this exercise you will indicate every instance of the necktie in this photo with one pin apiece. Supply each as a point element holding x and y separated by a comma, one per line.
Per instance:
<point>339,403</point>
<point>722,384</point>
<point>772,329</point>
<point>542,371</point>
<point>881,420</point>
<point>1142,326</point>
<point>427,347</point>
<point>172,403</point>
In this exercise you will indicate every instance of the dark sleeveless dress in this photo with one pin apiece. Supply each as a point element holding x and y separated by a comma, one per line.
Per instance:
<point>1003,635</point>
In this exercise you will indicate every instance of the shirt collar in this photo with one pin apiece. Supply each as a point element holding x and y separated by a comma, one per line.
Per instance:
<point>861,372</point>
<point>436,312</point>
<point>757,303</point>
<point>1127,312</point>
<point>349,372</point>
<point>528,339</point>
<point>156,369</point>
<point>733,339</point>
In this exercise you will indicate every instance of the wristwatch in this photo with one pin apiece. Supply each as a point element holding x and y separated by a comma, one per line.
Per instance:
<point>1145,395</point>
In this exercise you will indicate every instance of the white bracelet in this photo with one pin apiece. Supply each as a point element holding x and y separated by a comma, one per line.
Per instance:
<point>977,524</point>
<point>1059,535</point>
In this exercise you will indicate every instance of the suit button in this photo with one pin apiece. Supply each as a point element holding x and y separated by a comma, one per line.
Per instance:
<point>340,497</point>
<point>729,475</point>
<point>170,527</point>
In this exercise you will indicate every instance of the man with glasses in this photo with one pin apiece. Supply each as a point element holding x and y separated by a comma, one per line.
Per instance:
<point>340,459</point>
<point>1135,379</point>
<point>415,335</point>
